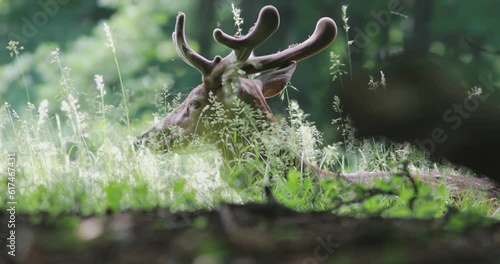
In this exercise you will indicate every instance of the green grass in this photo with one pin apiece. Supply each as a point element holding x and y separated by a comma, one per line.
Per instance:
<point>76,160</point>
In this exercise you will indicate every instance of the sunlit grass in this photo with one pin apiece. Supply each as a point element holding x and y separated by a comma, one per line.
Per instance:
<point>74,160</point>
<point>83,161</point>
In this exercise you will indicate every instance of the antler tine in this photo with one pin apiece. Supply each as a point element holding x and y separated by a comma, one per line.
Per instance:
<point>324,34</point>
<point>186,53</point>
<point>267,23</point>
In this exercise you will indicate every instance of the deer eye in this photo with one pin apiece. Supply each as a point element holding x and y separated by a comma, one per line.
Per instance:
<point>195,103</point>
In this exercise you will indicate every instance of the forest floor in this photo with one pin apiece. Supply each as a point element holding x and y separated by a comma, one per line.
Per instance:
<point>252,233</point>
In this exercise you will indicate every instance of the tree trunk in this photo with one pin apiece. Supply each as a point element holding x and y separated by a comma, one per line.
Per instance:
<point>419,42</point>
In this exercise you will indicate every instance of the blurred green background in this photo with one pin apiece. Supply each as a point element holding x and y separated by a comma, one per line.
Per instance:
<point>149,64</point>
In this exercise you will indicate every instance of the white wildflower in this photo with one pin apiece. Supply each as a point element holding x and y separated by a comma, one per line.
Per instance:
<point>43,110</point>
<point>55,55</point>
<point>110,42</point>
<point>100,84</point>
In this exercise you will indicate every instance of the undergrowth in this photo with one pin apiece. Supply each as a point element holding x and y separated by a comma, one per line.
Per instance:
<point>86,161</point>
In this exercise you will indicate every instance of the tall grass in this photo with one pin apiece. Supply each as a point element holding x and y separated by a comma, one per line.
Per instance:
<point>111,45</point>
<point>81,160</point>
<point>14,52</point>
<point>76,160</point>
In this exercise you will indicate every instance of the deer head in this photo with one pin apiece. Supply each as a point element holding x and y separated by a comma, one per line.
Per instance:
<point>218,74</point>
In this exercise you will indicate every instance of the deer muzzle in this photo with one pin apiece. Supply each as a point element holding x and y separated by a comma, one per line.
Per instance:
<point>162,137</point>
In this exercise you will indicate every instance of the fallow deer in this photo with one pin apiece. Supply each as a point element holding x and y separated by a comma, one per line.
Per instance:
<point>219,73</point>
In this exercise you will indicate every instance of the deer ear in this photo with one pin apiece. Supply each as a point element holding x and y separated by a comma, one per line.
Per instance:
<point>275,81</point>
